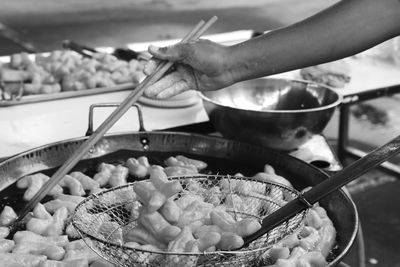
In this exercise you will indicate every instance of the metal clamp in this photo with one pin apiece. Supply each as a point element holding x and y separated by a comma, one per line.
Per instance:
<point>91,110</point>
<point>304,200</point>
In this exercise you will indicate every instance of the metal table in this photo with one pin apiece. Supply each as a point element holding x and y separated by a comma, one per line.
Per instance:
<point>344,147</point>
<point>370,80</point>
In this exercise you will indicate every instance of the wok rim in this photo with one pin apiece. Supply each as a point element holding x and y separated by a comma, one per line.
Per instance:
<point>344,193</point>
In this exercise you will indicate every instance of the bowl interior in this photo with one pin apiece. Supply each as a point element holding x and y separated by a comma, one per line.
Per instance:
<point>275,95</point>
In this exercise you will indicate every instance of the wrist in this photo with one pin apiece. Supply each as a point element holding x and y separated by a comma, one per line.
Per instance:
<point>240,63</point>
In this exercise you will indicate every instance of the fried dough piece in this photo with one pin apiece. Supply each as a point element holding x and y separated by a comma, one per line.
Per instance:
<point>71,231</point>
<point>28,236</point>
<point>208,241</point>
<point>182,161</point>
<point>170,211</point>
<point>75,187</point>
<point>68,263</point>
<point>104,173</point>
<point>272,177</point>
<point>111,231</point>
<point>242,187</point>
<point>327,232</point>
<point>138,167</point>
<point>4,231</point>
<point>118,176</point>
<point>78,250</point>
<point>125,195</point>
<point>140,235</point>
<point>225,221</point>
<point>308,238</point>
<point>51,251</point>
<point>230,241</point>
<point>70,198</point>
<point>181,170</point>
<point>40,212</point>
<point>33,183</point>
<point>21,260</point>
<point>7,216</point>
<point>58,222</point>
<point>160,181</point>
<point>144,258</point>
<point>195,214</point>
<point>87,182</point>
<point>312,258</point>
<point>38,226</point>
<point>184,242</point>
<point>149,196</point>
<point>56,204</point>
<point>80,254</point>
<point>6,245</point>
<point>63,200</point>
<point>49,226</point>
<point>158,226</point>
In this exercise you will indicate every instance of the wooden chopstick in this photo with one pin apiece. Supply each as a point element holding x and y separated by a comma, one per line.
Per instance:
<point>195,33</point>
<point>165,65</point>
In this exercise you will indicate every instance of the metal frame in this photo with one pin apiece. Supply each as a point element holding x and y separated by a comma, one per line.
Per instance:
<point>344,148</point>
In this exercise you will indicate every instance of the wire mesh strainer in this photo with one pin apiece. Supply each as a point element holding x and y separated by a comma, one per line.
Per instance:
<point>103,220</point>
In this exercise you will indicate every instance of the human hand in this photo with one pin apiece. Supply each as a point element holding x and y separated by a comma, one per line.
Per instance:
<point>200,65</point>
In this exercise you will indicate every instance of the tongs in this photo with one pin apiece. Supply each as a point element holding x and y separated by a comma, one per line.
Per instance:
<point>120,53</point>
<point>161,69</point>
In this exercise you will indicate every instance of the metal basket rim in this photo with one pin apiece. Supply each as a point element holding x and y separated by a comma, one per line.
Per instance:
<point>198,254</point>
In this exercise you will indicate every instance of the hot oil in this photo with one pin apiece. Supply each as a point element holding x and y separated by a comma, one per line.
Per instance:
<point>13,196</point>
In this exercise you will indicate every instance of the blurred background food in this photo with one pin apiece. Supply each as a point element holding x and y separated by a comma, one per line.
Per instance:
<point>66,70</point>
<point>335,74</point>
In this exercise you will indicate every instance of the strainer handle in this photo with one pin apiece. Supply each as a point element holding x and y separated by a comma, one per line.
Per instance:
<point>99,105</point>
<point>321,190</point>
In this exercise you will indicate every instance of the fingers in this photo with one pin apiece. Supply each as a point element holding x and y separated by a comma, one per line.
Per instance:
<point>150,66</point>
<point>166,86</point>
<point>176,89</point>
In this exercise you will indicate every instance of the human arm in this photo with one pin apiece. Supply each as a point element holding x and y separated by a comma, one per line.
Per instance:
<point>344,29</point>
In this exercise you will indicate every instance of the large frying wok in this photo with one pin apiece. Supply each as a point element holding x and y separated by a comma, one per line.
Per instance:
<point>223,156</point>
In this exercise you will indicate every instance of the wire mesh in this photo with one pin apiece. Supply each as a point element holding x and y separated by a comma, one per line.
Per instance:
<point>104,219</point>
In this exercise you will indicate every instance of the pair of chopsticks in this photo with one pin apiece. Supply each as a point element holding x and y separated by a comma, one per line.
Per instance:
<point>161,69</point>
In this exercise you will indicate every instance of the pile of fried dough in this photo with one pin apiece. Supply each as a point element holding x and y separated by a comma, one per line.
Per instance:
<point>66,70</point>
<point>168,216</point>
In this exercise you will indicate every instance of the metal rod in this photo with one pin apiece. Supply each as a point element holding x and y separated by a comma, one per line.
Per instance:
<point>343,135</point>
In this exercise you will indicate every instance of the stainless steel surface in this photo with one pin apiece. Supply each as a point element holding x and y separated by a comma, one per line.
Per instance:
<point>242,156</point>
<point>276,113</point>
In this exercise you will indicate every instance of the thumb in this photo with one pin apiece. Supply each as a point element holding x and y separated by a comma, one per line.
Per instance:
<point>170,53</point>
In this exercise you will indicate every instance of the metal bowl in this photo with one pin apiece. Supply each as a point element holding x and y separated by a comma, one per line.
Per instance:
<point>277,113</point>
